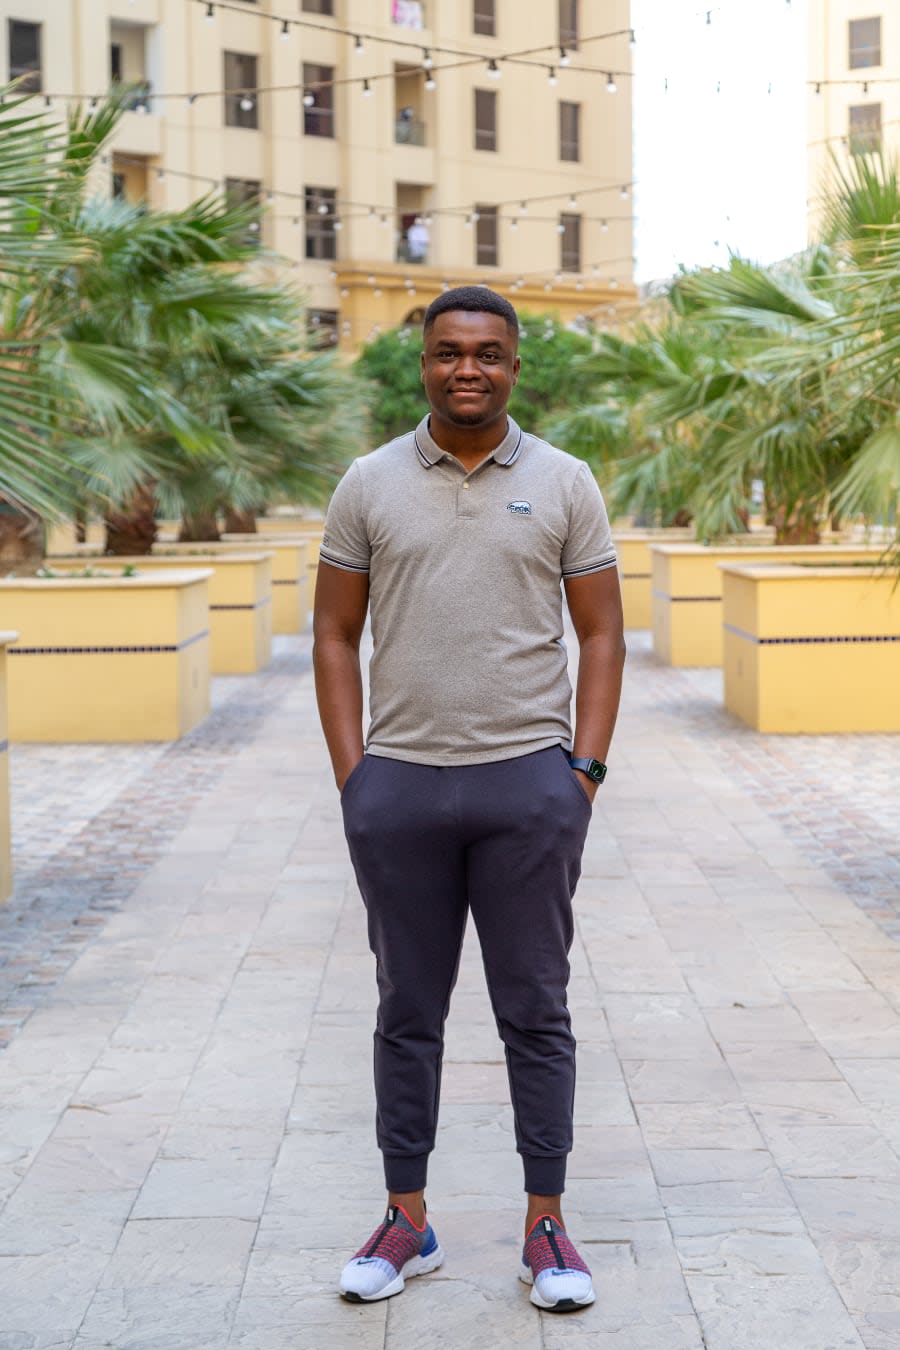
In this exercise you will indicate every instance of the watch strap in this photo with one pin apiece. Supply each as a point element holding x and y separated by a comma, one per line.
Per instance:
<point>595,769</point>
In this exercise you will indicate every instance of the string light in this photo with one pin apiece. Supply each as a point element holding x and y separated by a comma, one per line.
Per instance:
<point>551,76</point>
<point>285,30</point>
<point>564,57</point>
<point>611,85</point>
<point>366,89</point>
<point>493,70</point>
<point>426,59</point>
<point>573,202</point>
<point>430,82</point>
<point>246,103</point>
<point>358,45</point>
<point>309,99</point>
<point>210,13</point>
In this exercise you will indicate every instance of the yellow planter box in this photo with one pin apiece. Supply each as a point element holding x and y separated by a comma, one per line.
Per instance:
<point>812,649</point>
<point>311,536</point>
<point>240,599</point>
<point>293,523</point>
<point>687,591</point>
<point>635,572</point>
<point>290,577</point>
<point>6,872</point>
<point>63,539</point>
<point>107,658</point>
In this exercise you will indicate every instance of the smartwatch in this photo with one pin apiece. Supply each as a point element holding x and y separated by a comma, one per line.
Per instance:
<point>594,769</point>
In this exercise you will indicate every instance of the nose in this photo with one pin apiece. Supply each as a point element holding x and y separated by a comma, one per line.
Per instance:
<point>467,367</point>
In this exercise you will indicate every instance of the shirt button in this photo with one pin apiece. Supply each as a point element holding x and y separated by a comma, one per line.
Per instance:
<point>466,487</point>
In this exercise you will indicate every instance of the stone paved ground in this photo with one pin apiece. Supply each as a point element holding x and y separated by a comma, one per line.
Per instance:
<point>185,1142</point>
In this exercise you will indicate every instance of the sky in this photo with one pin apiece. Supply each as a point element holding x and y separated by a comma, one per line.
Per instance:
<point>720,162</point>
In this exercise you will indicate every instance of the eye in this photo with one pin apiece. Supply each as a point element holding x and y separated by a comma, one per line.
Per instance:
<point>490,356</point>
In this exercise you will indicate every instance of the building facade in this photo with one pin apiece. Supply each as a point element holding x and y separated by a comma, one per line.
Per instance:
<point>397,146</point>
<point>854,82</point>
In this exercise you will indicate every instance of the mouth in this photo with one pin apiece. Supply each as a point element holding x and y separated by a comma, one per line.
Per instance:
<point>468,393</point>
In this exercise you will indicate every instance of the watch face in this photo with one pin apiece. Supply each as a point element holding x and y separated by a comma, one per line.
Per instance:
<point>596,771</point>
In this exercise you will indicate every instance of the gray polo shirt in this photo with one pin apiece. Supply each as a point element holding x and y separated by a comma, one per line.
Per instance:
<point>469,663</point>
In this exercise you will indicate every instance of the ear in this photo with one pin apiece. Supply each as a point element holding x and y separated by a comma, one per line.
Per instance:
<point>422,366</point>
<point>517,366</point>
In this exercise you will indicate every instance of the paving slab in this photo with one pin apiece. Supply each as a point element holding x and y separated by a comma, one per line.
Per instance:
<point>187,998</point>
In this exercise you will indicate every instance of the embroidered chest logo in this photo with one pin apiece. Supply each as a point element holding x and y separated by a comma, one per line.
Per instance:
<point>520,508</point>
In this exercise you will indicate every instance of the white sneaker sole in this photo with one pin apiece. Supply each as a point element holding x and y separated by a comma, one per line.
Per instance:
<point>561,1305</point>
<point>419,1265</point>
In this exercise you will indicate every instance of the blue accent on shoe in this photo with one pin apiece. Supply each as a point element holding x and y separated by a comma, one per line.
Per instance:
<point>430,1242</point>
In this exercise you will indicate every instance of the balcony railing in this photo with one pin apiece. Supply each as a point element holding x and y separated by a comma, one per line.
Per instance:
<point>409,131</point>
<point>139,94</point>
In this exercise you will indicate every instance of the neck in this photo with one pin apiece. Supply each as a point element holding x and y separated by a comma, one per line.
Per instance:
<point>470,445</point>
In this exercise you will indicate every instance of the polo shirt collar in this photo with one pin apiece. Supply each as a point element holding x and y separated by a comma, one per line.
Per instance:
<point>505,454</point>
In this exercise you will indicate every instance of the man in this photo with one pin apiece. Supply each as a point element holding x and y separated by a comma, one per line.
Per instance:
<point>464,795</point>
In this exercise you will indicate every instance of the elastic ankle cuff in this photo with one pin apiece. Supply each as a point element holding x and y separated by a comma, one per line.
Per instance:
<point>408,1172</point>
<point>545,1176</point>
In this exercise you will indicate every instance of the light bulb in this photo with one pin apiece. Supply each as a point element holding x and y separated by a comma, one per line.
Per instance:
<point>604,225</point>
<point>210,13</point>
<point>247,103</point>
<point>309,99</point>
<point>367,89</point>
<point>285,30</point>
<point>426,58</point>
<point>322,208</point>
<point>513,224</point>
<point>560,229</point>
<point>564,57</point>
<point>611,85</point>
<point>493,70</point>
<point>551,76</point>
<point>431,82</point>
<point>572,203</point>
<point>624,192</point>
<point>358,46</point>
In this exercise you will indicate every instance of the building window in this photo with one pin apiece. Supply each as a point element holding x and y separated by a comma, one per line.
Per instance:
<point>569,126</point>
<point>865,129</point>
<point>118,185</point>
<point>570,243</point>
<point>485,119</point>
<point>243,192</point>
<point>865,43</point>
<point>241,100</point>
<point>115,62</point>
<point>408,13</point>
<point>322,327</point>
<point>318,7</point>
<point>318,115</point>
<point>484,18</point>
<point>320,206</point>
<point>486,235</point>
<point>568,23</point>
<point>25,55</point>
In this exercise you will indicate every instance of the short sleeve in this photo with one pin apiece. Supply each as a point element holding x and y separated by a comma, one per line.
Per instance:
<point>589,546</point>
<point>345,541</point>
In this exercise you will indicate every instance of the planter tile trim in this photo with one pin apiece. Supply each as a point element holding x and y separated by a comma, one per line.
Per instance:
<point>688,599</point>
<point>795,641</point>
<point>257,604</point>
<point>106,651</point>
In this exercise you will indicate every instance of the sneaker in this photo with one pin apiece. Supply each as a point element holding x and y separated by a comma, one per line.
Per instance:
<point>395,1251</point>
<point>550,1264</point>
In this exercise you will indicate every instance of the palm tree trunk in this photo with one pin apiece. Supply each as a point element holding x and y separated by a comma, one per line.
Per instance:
<point>239,522</point>
<point>796,529</point>
<point>132,530</point>
<point>21,540</point>
<point>199,527</point>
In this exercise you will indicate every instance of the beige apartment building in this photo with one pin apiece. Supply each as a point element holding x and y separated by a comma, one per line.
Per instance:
<point>398,146</point>
<point>854,74</point>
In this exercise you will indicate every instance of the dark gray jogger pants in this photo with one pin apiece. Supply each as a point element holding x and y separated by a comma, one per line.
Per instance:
<point>504,839</point>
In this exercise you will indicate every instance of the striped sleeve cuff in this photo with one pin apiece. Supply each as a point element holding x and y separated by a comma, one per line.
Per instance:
<point>342,563</point>
<point>600,565</point>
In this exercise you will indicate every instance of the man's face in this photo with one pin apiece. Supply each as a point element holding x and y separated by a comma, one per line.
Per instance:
<point>469,366</point>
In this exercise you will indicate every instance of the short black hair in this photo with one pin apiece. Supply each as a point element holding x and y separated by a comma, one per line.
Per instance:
<point>475,299</point>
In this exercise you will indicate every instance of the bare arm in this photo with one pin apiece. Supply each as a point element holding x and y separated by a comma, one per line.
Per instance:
<point>342,599</point>
<point>595,604</point>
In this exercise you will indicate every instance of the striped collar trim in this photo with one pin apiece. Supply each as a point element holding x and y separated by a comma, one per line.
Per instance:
<point>506,453</point>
